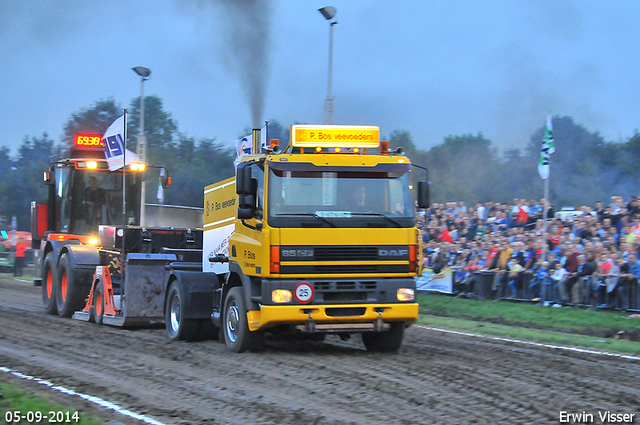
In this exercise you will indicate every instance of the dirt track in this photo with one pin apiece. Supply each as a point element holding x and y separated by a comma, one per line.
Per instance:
<point>435,378</point>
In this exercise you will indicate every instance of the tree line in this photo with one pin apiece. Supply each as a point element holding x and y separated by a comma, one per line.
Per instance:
<point>192,163</point>
<point>584,168</point>
<point>467,168</point>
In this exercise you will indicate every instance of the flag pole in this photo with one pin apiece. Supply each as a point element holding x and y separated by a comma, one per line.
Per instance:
<point>124,207</point>
<point>544,216</point>
<point>544,168</point>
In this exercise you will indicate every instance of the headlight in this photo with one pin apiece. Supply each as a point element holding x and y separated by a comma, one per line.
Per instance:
<point>93,241</point>
<point>406,294</point>
<point>137,166</point>
<point>281,296</point>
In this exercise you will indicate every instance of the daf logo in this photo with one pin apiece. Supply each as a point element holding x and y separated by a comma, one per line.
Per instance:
<point>297,252</point>
<point>393,252</point>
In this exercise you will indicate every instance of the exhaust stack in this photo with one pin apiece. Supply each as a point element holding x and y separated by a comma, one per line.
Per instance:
<point>257,142</point>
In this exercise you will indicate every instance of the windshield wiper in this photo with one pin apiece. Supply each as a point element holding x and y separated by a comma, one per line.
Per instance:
<point>379,215</point>
<point>330,223</point>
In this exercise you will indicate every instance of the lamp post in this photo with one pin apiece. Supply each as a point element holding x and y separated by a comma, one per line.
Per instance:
<point>329,12</point>
<point>141,146</point>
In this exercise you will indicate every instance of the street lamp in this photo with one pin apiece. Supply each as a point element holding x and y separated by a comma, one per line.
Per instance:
<point>329,12</point>
<point>141,147</point>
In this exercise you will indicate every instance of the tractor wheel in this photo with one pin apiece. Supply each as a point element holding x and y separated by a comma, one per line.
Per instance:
<point>385,342</point>
<point>179,328</point>
<point>49,275</point>
<point>98,303</point>
<point>70,295</point>
<point>236,329</point>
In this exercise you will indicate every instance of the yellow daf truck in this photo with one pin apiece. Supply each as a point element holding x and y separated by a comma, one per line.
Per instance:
<point>319,238</point>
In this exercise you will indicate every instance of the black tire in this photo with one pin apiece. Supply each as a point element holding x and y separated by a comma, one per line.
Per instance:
<point>179,328</point>
<point>98,303</point>
<point>317,337</point>
<point>385,342</point>
<point>236,331</point>
<point>70,294</point>
<point>49,283</point>
<point>208,330</point>
<point>312,337</point>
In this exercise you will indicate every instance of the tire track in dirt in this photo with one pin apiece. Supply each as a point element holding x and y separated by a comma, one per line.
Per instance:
<point>434,378</point>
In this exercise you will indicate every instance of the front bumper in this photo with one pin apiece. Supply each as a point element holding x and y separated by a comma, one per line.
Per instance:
<point>331,314</point>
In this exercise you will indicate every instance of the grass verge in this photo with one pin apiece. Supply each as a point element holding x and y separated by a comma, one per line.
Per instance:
<point>568,326</point>
<point>528,334</point>
<point>14,399</point>
<point>575,319</point>
<point>28,275</point>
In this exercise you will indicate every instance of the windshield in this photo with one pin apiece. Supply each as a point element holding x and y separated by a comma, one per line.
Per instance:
<point>88,198</point>
<point>338,197</point>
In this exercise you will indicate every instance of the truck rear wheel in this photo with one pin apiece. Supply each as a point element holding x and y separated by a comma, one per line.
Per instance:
<point>70,296</point>
<point>49,274</point>
<point>385,342</point>
<point>237,335</point>
<point>179,328</point>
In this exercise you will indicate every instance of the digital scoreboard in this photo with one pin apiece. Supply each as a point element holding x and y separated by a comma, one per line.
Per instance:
<point>88,141</point>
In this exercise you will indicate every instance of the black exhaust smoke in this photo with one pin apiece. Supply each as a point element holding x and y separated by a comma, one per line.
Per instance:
<point>248,24</point>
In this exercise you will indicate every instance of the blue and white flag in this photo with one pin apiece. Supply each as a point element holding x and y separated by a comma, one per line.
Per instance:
<point>114,146</point>
<point>244,146</point>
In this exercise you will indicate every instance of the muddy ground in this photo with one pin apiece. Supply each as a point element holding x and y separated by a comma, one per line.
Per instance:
<point>436,378</point>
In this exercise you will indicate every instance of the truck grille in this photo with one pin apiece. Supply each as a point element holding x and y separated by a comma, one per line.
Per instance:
<point>345,285</point>
<point>344,268</point>
<point>346,311</point>
<point>302,259</point>
<point>344,296</point>
<point>349,291</point>
<point>345,253</point>
<point>337,253</point>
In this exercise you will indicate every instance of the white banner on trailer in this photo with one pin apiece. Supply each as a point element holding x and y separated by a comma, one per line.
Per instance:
<point>216,241</point>
<point>431,282</point>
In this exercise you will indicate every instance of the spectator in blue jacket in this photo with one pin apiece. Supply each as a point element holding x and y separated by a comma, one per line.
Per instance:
<point>632,280</point>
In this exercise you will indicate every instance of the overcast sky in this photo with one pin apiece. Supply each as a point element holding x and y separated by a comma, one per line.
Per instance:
<point>433,68</point>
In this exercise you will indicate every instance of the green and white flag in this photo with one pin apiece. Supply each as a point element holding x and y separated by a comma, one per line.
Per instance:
<point>548,147</point>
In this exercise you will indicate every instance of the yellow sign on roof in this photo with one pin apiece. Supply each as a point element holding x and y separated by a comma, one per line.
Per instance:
<point>335,136</point>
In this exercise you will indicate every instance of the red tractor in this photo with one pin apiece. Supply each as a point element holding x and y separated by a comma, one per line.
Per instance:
<point>83,195</point>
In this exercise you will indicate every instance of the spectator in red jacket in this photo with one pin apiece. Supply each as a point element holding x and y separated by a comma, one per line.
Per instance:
<point>18,264</point>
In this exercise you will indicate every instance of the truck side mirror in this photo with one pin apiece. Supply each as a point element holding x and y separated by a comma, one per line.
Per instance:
<point>243,179</point>
<point>245,213</point>
<point>165,180</point>
<point>39,223</point>
<point>239,179</point>
<point>247,184</point>
<point>247,189</point>
<point>423,195</point>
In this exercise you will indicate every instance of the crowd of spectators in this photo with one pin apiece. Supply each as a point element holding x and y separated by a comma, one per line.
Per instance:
<point>588,256</point>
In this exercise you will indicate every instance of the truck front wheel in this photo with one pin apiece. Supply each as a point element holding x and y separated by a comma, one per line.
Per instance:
<point>179,328</point>
<point>236,329</point>
<point>49,284</point>
<point>385,342</point>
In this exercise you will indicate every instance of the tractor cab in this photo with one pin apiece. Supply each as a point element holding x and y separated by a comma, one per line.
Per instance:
<point>83,193</point>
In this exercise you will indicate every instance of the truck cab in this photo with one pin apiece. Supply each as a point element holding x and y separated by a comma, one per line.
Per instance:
<point>319,239</point>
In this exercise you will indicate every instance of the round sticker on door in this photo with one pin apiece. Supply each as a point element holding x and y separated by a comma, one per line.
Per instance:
<point>303,292</point>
